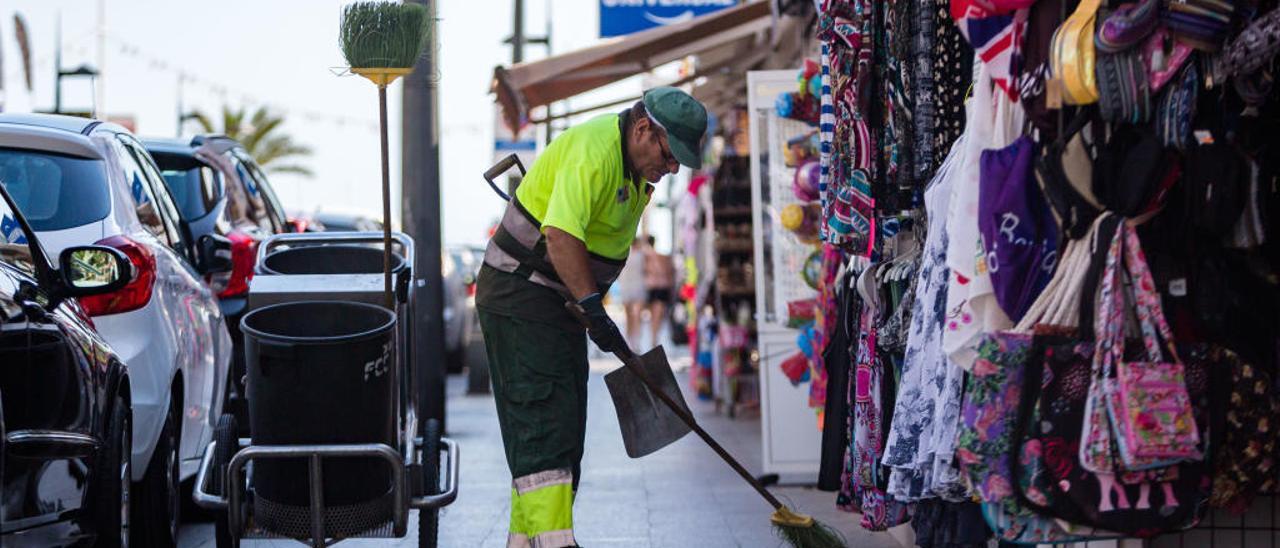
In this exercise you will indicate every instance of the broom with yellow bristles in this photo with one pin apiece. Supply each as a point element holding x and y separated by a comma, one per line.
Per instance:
<point>382,41</point>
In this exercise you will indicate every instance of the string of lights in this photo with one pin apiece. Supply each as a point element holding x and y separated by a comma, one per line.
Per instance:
<point>79,45</point>
<point>226,92</point>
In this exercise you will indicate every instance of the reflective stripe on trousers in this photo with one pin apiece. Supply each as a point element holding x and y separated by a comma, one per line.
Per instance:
<point>542,510</point>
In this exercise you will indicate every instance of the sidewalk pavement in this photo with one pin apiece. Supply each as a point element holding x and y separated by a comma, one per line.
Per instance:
<point>681,496</point>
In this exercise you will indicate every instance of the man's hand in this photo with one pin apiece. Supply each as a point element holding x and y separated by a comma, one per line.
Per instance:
<point>600,327</point>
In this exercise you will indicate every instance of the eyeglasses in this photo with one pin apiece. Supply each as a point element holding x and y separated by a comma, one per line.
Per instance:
<point>663,144</point>
<point>667,157</point>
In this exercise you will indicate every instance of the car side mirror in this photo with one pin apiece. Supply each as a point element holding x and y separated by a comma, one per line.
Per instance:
<point>93,270</point>
<point>214,252</point>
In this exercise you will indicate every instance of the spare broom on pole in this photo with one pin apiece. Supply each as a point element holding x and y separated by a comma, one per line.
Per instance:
<point>381,41</point>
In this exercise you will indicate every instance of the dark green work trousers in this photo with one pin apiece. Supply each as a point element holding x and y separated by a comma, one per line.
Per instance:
<point>539,374</point>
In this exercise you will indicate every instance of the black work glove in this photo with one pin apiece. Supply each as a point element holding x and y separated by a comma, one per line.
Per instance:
<point>600,327</point>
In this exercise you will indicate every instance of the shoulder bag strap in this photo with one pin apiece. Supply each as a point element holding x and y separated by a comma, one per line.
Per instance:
<point>1151,320</point>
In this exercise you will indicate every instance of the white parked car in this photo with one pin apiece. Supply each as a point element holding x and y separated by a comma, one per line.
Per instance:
<point>80,182</point>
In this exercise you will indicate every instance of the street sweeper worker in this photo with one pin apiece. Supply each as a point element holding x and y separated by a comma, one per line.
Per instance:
<point>564,238</point>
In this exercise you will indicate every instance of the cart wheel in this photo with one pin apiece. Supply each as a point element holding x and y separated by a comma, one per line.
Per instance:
<point>226,434</point>
<point>429,519</point>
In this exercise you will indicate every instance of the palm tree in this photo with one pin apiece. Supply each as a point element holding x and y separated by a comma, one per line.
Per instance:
<point>275,152</point>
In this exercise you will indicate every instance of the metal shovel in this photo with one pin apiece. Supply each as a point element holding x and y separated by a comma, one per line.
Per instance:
<point>647,423</point>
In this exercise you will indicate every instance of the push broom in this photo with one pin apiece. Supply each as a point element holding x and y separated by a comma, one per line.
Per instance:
<point>381,42</point>
<point>796,529</point>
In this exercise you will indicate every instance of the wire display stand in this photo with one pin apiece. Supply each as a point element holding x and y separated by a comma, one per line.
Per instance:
<point>1257,527</point>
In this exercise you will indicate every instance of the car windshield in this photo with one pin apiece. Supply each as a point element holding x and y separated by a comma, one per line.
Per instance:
<point>54,191</point>
<point>193,185</point>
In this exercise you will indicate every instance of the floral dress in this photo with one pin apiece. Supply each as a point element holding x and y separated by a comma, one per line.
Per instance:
<point>879,511</point>
<point>927,376</point>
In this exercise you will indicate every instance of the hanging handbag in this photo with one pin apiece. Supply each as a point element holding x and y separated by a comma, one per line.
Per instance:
<point>1255,46</point>
<point>1129,169</point>
<point>1124,94</point>
<point>1098,447</point>
<point>991,422</point>
<point>1064,173</point>
<point>1132,506</point>
<point>1202,24</point>
<point>1051,477</point>
<point>1163,57</point>
<point>1149,406</point>
<point>986,441</point>
<point>1127,25</point>
<point>1072,55</point>
<point>1058,376</point>
<point>1176,108</point>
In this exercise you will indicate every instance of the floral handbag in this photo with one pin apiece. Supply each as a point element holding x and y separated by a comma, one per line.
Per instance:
<point>991,419</point>
<point>1050,474</point>
<point>1053,478</point>
<point>1142,412</point>
<point>1150,408</point>
<point>986,437</point>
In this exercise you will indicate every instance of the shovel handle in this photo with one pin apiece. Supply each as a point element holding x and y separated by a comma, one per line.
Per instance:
<point>632,362</point>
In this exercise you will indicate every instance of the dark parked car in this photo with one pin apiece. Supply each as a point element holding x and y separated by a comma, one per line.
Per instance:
<point>65,462</point>
<point>221,190</point>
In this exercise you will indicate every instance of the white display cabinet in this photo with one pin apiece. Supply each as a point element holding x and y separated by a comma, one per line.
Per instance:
<point>791,437</point>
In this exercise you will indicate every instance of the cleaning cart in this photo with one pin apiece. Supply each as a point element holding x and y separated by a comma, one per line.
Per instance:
<point>333,382</point>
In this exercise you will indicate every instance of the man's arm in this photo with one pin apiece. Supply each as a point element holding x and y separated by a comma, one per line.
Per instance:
<point>569,257</point>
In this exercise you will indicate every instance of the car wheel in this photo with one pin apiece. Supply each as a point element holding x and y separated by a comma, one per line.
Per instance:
<point>158,505</point>
<point>227,444</point>
<point>429,519</point>
<point>113,480</point>
<point>455,359</point>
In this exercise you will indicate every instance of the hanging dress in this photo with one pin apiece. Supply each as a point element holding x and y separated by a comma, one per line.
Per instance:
<point>910,448</point>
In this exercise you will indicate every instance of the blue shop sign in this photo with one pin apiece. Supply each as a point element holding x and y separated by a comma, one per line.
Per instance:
<point>620,17</point>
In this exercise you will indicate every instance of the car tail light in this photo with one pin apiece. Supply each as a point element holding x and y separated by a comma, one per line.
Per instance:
<point>134,295</point>
<point>243,249</point>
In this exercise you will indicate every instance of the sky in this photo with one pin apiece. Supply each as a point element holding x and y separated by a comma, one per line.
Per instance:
<point>284,54</point>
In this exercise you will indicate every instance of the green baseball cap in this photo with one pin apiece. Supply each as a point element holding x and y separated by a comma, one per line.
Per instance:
<point>683,118</point>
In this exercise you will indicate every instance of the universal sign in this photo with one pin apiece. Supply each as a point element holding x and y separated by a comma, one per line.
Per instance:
<point>620,17</point>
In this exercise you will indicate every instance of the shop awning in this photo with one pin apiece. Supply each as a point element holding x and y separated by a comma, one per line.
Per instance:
<point>527,85</point>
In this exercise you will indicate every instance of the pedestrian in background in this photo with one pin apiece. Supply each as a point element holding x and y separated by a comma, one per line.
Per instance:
<point>659,280</point>
<point>632,291</point>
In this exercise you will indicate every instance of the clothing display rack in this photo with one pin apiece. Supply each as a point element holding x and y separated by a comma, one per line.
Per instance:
<point>1051,269</point>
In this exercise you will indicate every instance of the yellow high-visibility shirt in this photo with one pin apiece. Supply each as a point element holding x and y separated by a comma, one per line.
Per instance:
<point>580,185</point>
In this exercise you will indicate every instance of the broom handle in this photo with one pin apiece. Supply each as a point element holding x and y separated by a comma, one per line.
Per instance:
<point>386,201</point>
<point>630,359</point>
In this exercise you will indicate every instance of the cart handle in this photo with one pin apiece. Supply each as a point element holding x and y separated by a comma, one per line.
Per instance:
<point>430,502</point>
<point>321,238</point>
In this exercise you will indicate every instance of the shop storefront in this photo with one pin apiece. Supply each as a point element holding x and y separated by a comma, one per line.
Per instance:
<point>1049,289</point>
<point>1007,266</point>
